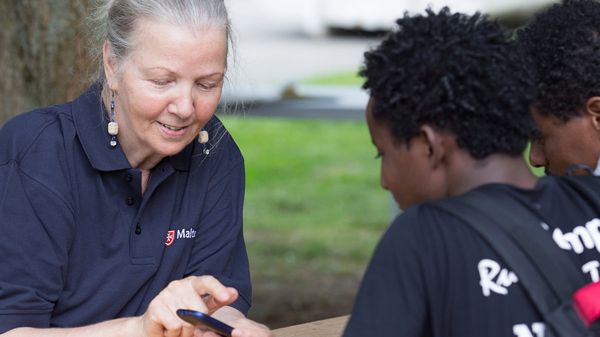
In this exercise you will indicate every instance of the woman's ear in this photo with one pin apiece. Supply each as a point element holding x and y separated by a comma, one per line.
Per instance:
<point>435,145</point>
<point>592,109</point>
<point>108,60</point>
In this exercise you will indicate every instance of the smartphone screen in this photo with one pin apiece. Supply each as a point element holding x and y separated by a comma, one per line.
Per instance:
<point>204,321</point>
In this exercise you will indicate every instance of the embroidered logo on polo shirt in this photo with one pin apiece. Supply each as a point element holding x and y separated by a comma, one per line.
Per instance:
<point>173,235</point>
<point>170,238</point>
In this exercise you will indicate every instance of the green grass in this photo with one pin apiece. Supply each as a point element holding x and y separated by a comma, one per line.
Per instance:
<point>313,213</point>
<point>313,199</point>
<point>347,78</point>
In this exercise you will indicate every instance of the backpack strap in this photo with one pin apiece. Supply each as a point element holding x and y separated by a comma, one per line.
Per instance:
<point>515,233</point>
<point>587,186</point>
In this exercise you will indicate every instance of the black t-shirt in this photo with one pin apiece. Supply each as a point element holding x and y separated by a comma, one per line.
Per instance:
<point>432,275</point>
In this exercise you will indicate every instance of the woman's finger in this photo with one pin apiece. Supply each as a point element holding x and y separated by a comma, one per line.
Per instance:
<point>212,286</point>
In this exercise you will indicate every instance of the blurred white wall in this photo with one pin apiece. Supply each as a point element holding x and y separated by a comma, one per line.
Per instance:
<point>313,17</point>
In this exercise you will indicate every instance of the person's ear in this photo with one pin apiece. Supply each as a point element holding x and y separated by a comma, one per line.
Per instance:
<point>592,109</point>
<point>110,67</point>
<point>434,142</point>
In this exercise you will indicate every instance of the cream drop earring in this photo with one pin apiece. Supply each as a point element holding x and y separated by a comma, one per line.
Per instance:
<point>203,139</point>
<point>113,127</point>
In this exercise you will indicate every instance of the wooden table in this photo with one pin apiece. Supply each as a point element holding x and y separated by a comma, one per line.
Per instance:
<point>332,327</point>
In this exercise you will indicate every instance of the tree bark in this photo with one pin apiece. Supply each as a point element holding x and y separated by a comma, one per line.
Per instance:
<point>43,56</point>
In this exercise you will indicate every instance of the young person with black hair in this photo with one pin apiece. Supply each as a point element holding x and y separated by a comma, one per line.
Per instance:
<point>563,43</point>
<point>449,114</point>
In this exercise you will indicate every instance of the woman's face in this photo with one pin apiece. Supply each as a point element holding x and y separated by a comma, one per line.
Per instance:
<point>166,89</point>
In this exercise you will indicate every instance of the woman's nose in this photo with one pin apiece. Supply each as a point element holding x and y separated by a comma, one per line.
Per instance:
<point>183,104</point>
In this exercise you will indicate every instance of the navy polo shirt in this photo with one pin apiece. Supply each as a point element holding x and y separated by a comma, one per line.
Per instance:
<point>80,244</point>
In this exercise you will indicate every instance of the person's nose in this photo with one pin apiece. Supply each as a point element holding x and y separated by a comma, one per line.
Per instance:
<point>537,157</point>
<point>183,104</point>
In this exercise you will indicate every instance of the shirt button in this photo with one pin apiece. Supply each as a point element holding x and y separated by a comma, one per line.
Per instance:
<point>128,177</point>
<point>138,229</point>
<point>129,201</point>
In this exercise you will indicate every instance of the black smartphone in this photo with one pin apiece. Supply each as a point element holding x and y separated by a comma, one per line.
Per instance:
<point>204,321</point>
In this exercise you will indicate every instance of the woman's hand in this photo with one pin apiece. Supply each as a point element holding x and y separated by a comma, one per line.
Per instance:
<point>243,327</point>
<point>161,320</point>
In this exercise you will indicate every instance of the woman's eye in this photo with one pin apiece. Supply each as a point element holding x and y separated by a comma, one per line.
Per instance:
<point>160,82</point>
<point>207,86</point>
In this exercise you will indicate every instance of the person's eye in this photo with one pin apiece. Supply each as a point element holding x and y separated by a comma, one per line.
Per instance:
<point>160,82</point>
<point>207,85</point>
<point>379,155</point>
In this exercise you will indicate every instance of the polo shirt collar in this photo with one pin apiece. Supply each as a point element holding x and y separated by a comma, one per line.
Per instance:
<point>90,124</point>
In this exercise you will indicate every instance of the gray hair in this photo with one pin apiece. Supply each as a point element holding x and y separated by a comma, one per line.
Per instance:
<point>114,21</point>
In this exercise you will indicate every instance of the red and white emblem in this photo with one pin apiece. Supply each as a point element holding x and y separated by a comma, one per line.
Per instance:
<point>170,238</point>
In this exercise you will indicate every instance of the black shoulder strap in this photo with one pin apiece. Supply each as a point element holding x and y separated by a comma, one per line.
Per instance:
<point>516,234</point>
<point>588,187</point>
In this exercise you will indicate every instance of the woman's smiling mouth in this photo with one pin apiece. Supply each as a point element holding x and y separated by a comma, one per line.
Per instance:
<point>171,131</point>
<point>170,127</point>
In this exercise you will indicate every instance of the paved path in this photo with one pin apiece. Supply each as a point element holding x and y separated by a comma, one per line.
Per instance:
<point>317,108</point>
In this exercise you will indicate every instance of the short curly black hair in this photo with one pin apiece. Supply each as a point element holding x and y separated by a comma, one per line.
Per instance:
<point>455,72</point>
<point>563,44</point>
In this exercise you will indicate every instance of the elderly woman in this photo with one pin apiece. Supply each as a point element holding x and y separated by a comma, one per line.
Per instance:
<point>125,205</point>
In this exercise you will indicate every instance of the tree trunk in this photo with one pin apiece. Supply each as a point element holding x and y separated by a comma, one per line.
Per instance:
<point>43,59</point>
